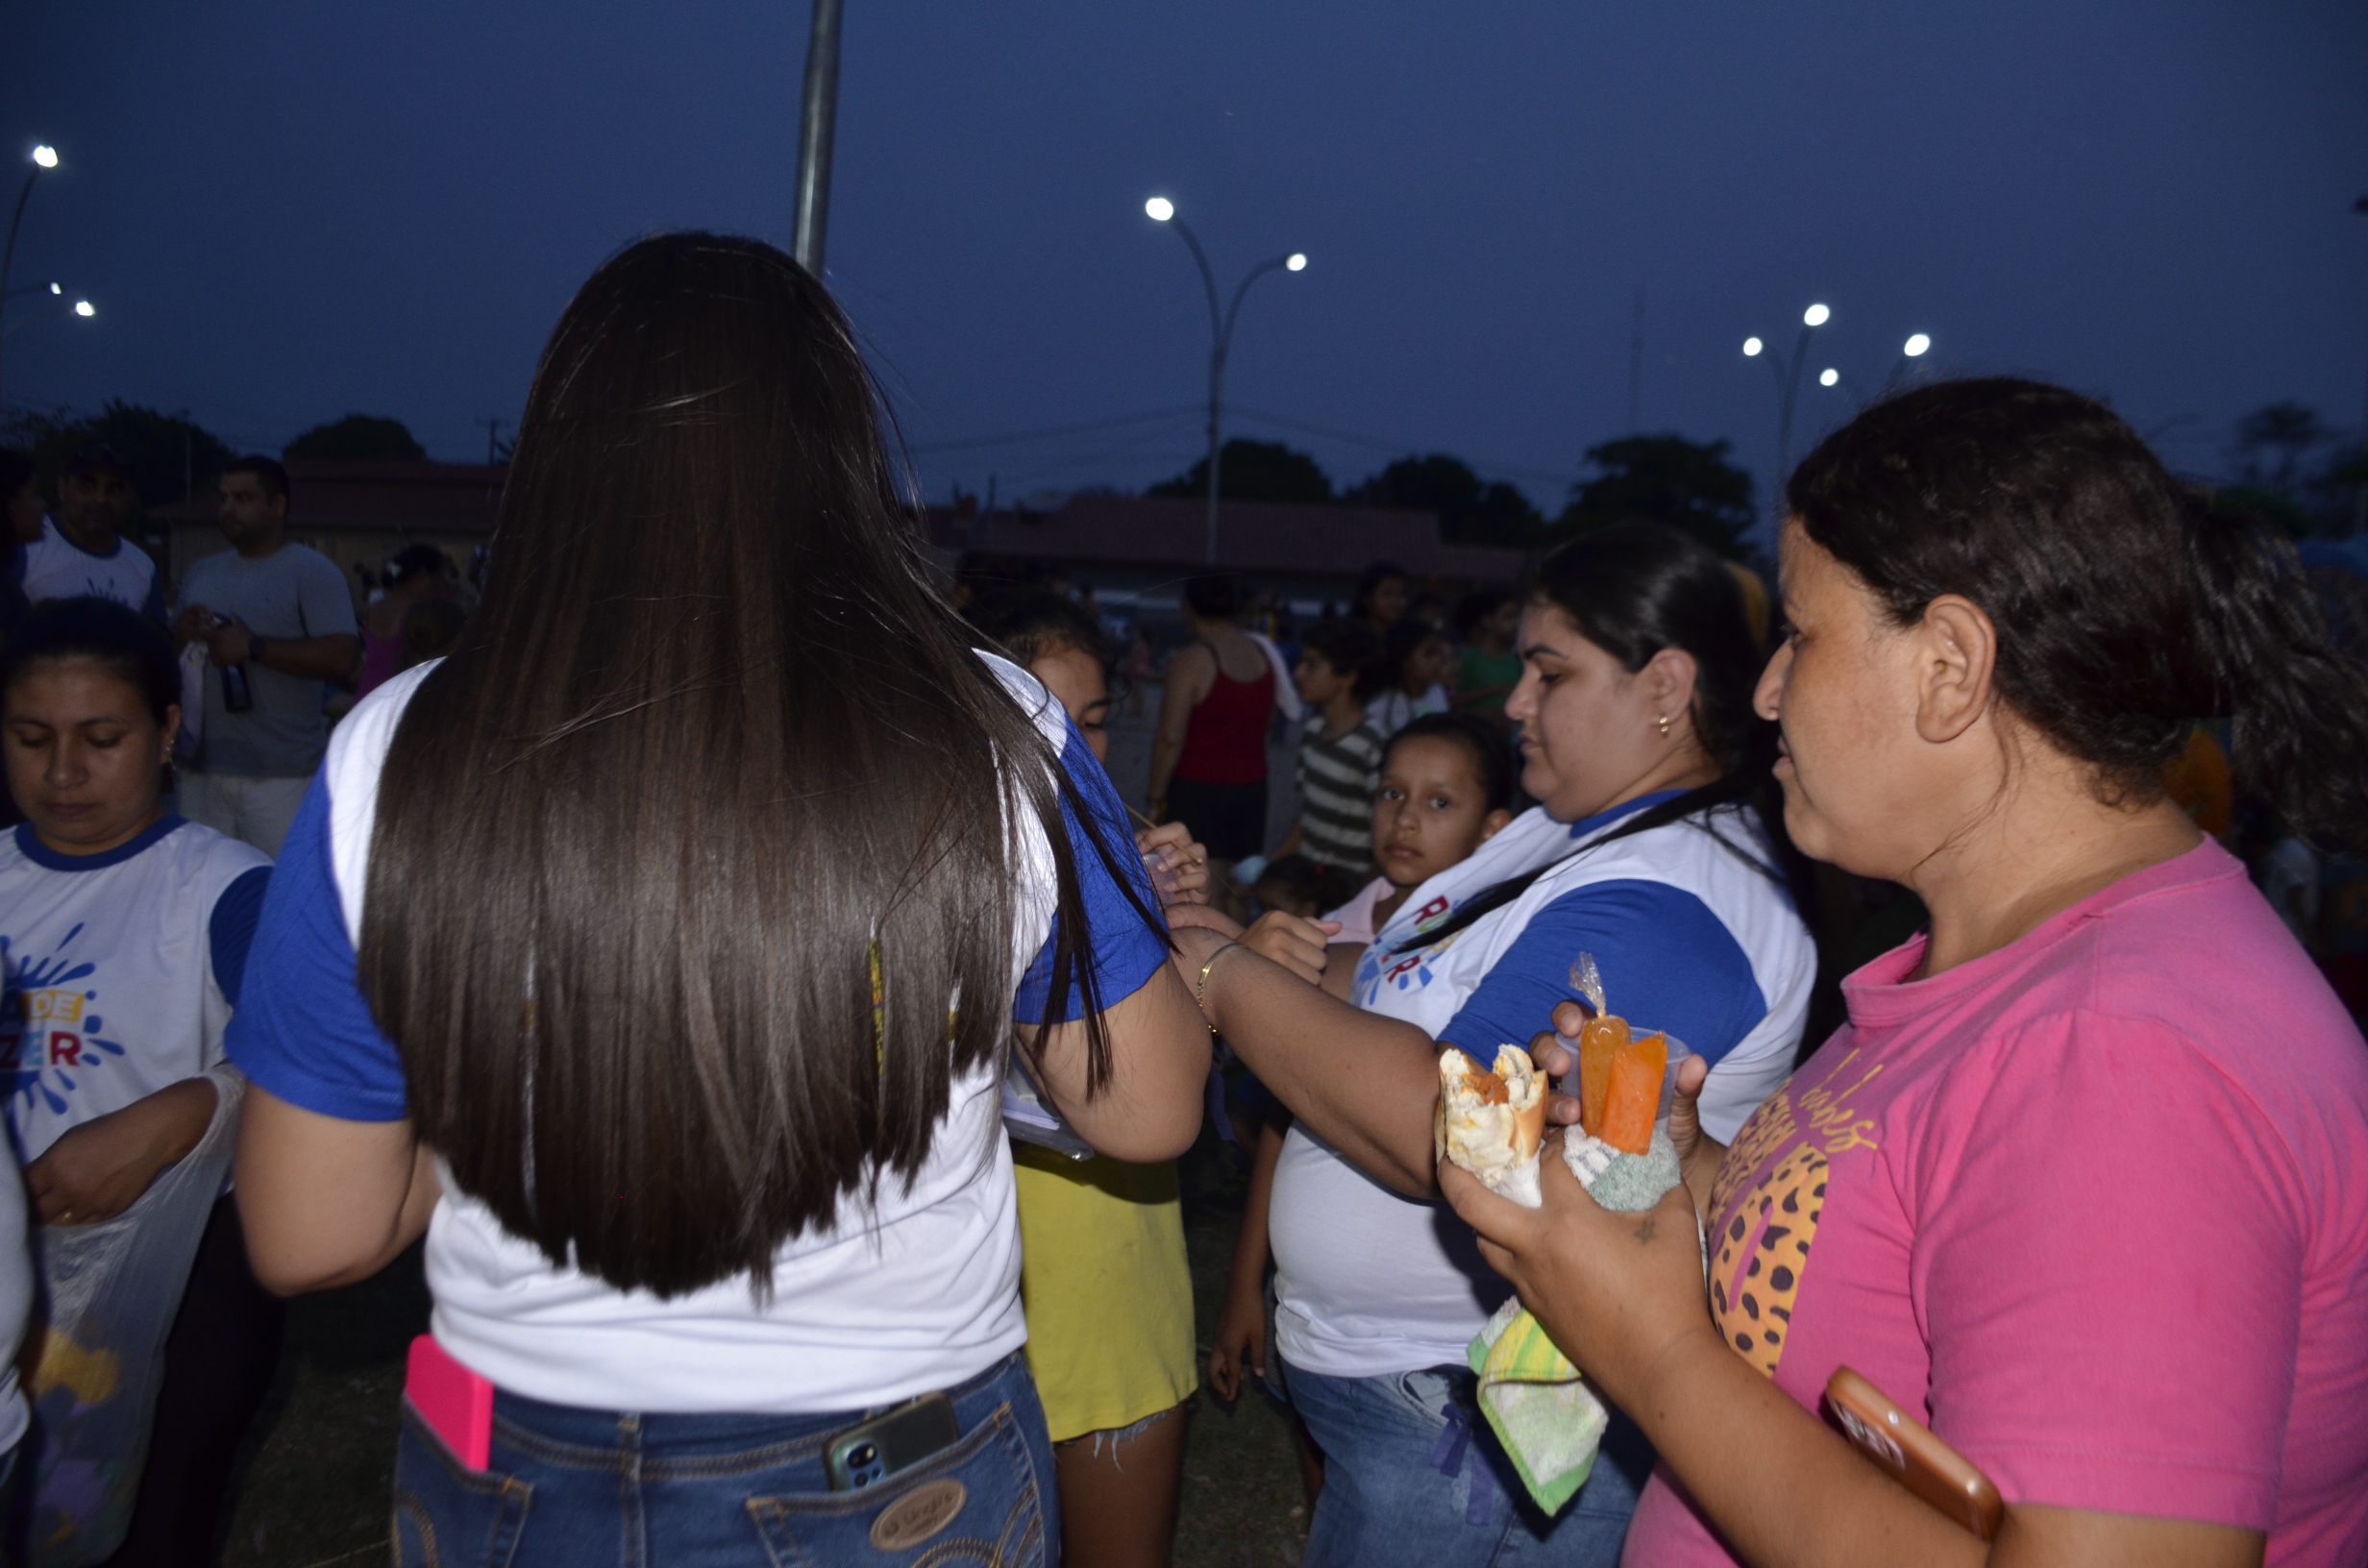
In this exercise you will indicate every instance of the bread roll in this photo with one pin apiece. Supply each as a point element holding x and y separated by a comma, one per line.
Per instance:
<point>1491,1122</point>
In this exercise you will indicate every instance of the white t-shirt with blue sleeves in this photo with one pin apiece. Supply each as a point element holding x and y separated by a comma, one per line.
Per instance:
<point>122,968</point>
<point>917,1292</point>
<point>1690,937</point>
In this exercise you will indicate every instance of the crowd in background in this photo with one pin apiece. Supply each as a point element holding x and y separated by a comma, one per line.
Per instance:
<point>792,1032</point>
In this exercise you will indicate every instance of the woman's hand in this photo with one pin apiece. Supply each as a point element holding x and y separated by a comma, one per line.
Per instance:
<point>1180,874</point>
<point>97,1170</point>
<point>1698,1154</point>
<point>1298,945</point>
<point>1240,1343</point>
<point>1621,1293</point>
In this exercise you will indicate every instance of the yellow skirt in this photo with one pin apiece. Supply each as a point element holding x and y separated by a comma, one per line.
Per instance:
<point>1107,1289</point>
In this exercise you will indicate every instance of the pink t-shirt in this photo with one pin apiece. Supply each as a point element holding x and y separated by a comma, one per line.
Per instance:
<point>2095,1204</point>
<point>1356,916</point>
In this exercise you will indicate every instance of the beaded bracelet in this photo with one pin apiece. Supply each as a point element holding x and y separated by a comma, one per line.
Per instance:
<point>1201,991</point>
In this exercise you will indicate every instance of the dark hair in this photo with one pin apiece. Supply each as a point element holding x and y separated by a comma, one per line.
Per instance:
<point>1212,598</point>
<point>15,473</point>
<point>681,852</point>
<point>1491,757</point>
<point>1351,648</point>
<point>2126,607</point>
<point>408,563</point>
<point>1634,589</point>
<point>120,640</point>
<point>267,470</point>
<point>1026,623</point>
<point>1409,634</point>
<point>430,628</point>
<point>1308,881</point>
<point>1476,607</point>
<point>1360,604</point>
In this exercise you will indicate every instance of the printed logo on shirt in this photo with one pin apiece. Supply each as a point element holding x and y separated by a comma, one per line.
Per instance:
<point>1767,1227</point>
<point>1380,966</point>
<point>48,1032</point>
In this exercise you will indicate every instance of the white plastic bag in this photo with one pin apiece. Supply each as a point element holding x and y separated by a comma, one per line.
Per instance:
<point>109,1292</point>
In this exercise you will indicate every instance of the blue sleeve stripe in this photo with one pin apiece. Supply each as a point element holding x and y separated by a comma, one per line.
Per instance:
<point>303,1030</point>
<point>229,931</point>
<point>1667,963</point>
<point>1127,951</point>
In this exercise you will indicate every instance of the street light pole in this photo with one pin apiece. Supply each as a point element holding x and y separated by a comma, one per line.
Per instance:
<point>1160,209</point>
<point>45,157</point>
<point>1788,381</point>
<point>815,128</point>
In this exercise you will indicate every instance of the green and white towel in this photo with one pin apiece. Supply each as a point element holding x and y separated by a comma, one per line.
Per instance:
<point>1534,1396</point>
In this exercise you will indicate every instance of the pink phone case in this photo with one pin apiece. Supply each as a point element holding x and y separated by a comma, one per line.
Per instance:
<point>455,1402</point>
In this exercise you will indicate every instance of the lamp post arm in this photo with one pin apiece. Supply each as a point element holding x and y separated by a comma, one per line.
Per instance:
<point>1208,281</point>
<point>8,257</point>
<point>1233,313</point>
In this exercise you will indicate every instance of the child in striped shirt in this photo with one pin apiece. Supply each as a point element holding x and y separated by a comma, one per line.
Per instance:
<point>1340,761</point>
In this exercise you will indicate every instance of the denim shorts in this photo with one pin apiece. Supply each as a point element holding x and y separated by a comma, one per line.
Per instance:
<point>1413,1476</point>
<point>568,1487</point>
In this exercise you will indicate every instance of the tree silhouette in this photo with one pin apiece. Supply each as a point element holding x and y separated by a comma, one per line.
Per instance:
<point>1470,511</point>
<point>358,438</point>
<point>172,457</point>
<point>1253,471</point>
<point>1666,478</point>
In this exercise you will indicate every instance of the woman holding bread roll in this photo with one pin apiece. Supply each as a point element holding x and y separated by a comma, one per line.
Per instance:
<point>659,952</point>
<point>1647,852</point>
<point>2083,1183</point>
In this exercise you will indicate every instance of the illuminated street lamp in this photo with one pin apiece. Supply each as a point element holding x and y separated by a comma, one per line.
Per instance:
<point>43,157</point>
<point>1787,374</point>
<point>1160,209</point>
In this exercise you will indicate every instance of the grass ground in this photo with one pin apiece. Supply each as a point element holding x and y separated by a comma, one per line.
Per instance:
<point>314,1482</point>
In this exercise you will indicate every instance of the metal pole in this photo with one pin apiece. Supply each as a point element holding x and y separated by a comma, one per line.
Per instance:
<point>1784,420</point>
<point>1217,415</point>
<point>8,258</point>
<point>814,132</point>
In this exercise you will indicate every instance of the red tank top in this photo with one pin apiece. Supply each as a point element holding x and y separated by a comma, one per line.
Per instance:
<point>1226,740</point>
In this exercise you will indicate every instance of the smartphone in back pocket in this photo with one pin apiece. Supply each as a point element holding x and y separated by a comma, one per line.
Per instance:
<point>1910,1453</point>
<point>897,1440</point>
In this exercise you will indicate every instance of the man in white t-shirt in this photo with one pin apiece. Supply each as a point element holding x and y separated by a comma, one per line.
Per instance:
<point>278,621</point>
<point>81,551</point>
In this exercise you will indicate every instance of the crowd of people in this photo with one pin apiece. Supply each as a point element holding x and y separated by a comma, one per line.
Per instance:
<point>730,953</point>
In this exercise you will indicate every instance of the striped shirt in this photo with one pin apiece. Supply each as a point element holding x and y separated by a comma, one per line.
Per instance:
<point>1337,778</point>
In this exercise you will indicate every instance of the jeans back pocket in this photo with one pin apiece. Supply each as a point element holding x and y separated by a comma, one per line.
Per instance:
<point>977,1502</point>
<point>448,1515</point>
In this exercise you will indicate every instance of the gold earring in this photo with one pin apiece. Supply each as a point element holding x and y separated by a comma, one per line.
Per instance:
<point>1665,727</point>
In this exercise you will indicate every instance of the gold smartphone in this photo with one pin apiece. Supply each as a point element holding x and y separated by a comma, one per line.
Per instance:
<point>1906,1451</point>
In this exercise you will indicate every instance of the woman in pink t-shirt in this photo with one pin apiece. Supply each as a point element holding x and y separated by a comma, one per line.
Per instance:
<point>2083,1182</point>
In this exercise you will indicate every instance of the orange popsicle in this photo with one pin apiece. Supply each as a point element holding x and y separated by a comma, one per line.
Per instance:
<point>1600,1041</point>
<point>1635,1094</point>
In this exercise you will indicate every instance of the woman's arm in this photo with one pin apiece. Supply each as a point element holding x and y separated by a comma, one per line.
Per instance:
<point>1781,1487</point>
<point>1159,1059</point>
<point>326,1202</point>
<point>1363,1084</point>
<point>1190,674</point>
<point>98,1169</point>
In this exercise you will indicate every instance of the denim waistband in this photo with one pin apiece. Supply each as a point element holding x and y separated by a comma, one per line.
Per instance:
<point>706,1444</point>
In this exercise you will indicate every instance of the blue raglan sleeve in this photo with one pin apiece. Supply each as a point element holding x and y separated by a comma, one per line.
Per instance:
<point>1667,963</point>
<point>229,930</point>
<point>1126,950</point>
<point>303,1030</point>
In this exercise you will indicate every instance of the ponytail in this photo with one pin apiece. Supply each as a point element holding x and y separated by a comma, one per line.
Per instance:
<point>2298,705</point>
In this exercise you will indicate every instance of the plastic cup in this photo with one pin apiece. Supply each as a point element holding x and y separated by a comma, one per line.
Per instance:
<point>1678,1052</point>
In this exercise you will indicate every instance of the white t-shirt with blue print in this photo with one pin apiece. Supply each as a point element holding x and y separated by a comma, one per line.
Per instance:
<point>122,968</point>
<point>918,1291</point>
<point>55,567</point>
<point>1690,937</point>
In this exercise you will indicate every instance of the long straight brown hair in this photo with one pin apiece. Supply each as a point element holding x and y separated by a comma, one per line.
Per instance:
<point>683,855</point>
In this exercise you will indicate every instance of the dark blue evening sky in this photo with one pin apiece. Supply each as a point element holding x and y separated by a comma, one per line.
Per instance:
<point>286,212</point>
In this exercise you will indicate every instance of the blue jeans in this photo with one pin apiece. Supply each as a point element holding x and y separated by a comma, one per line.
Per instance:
<point>567,1487</point>
<point>1414,1476</point>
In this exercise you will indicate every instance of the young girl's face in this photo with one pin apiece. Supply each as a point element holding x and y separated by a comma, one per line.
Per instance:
<point>1431,664</point>
<point>1429,812</point>
<point>85,757</point>
<point>1075,680</point>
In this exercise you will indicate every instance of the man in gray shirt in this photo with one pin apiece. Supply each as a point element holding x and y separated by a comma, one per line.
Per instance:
<point>276,619</point>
